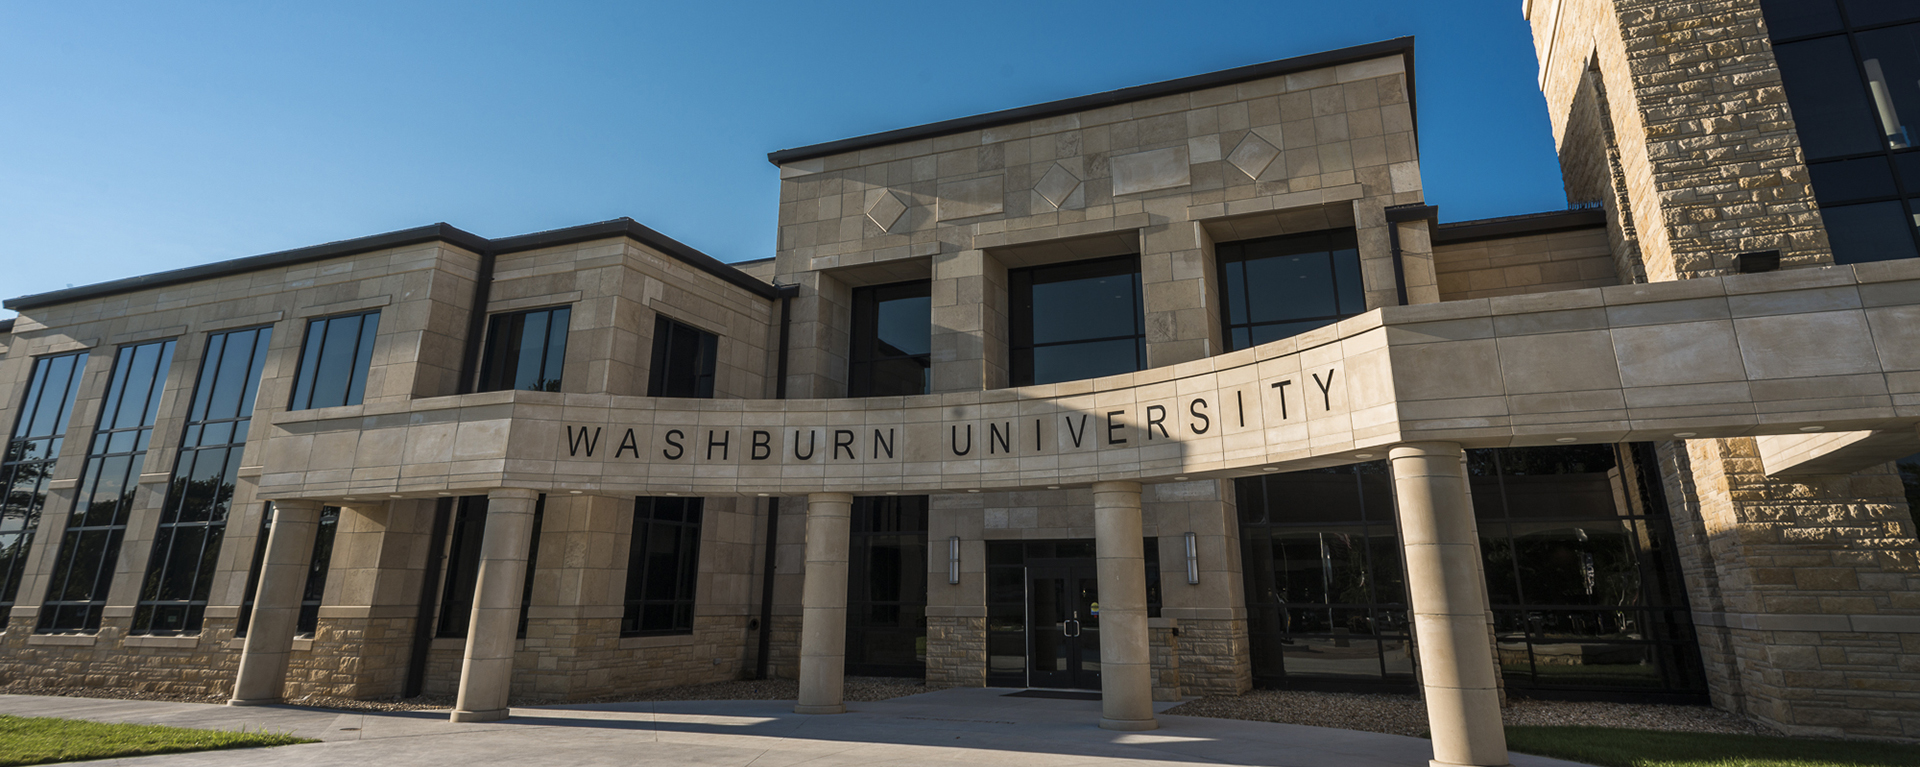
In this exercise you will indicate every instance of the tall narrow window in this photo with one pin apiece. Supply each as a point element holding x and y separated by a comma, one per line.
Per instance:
<point>526,350</point>
<point>91,543</point>
<point>1075,321</point>
<point>663,566</point>
<point>892,340</point>
<point>173,598</point>
<point>684,359</point>
<point>463,565</point>
<point>887,586</point>
<point>316,585</point>
<point>31,452</point>
<point>1279,287</point>
<point>334,360</point>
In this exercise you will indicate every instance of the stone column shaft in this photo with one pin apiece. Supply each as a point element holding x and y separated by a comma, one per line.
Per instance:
<point>1449,600</point>
<point>823,606</point>
<point>262,678</point>
<point>487,670</point>
<point>1126,667</point>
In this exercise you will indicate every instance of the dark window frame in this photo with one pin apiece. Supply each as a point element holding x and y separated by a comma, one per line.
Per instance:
<point>320,562</point>
<point>306,374</point>
<point>864,353</point>
<point>1229,254</point>
<point>214,431</point>
<point>685,585</point>
<point>878,522</point>
<point>110,444</point>
<point>661,376</point>
<point>1021,346</point>
<point>505,349</point>
<point>461,574</point>
<point>1908,198</point>
<point>16,538</point>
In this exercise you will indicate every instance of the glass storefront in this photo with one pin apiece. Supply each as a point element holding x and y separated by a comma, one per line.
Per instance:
<point>1581,575</point>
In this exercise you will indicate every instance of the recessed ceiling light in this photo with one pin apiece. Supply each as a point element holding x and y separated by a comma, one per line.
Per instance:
<point>1684,434</point>
<point>1812,428</point>
<point>893,492</point>
<point>1179,479</point>
<point>973,491</point>
<point>672,493</point>
<point>348,498</point>
<point>575,492</point>
<point>1053,487</point>
<point>1568,439</point>
<point>1269,468</point>
<point>762,495</point>
<point>396,496</point>
<point>1363,455</point>
<point>446,493</point>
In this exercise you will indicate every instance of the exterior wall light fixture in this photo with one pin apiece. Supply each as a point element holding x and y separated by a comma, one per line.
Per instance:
<point>953,559</point>
<point>1757,261</point>
<point>1193,560</point>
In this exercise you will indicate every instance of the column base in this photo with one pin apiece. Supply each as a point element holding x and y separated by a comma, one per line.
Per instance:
<point>256,702</point>
<point>492,715</point>
<point>1129,725</point>
<point>1438,763</point>
<point>833,709</point>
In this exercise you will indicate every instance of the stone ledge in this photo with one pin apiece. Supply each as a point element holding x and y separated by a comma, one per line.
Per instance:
<point>171,642</point>
<point>68,640</point>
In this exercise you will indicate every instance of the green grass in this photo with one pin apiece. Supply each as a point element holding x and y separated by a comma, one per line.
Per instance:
<point>38,740</point>
<point>1611,747</point>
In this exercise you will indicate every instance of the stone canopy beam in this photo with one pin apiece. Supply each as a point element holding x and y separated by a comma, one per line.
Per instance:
<point>1782,353</point>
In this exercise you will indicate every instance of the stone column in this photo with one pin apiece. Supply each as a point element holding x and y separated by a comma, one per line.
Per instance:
<point>823,606</point>
<point>1126,668</point>
<point>487,668</point>
<point>262,678</point>
<point>1449,600</point>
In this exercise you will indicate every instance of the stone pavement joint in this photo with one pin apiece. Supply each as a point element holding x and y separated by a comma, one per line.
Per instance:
<point>949,727</point>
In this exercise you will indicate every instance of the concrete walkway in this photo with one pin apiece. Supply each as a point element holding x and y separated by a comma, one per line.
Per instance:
<point>950,727</point>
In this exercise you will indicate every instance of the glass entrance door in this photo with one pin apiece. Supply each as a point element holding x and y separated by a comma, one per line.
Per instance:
<point>1063,624</point>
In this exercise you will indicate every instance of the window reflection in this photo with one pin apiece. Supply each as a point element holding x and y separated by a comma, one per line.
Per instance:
<point>684,360</point>
<point>887,587</point>
<point>334,359</point>
<point>1279,287</point>
<point>526,350</point>
<point>663,566</point>
<point>1074,321</point>
<point>891,340</point>
<point>28,464</point>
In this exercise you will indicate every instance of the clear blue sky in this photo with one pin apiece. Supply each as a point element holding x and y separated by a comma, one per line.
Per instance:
<point>137,137</point>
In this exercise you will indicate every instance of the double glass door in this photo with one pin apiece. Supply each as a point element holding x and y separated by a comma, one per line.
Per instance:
<point>1063,604</point>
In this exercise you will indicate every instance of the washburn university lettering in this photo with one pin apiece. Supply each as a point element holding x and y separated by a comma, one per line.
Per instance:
<point>841,444</point>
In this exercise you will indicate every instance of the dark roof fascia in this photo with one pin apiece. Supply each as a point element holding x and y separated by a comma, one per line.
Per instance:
<point>1518,226</point>
<point>295,257</point>
<point>623,227</point>
<point>1400,45</point>
<point>634,230</point>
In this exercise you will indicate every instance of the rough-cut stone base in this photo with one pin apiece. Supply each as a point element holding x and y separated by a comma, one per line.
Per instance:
<point>956,651</point>
<point>1163,648</point>
<point>1214,657</point>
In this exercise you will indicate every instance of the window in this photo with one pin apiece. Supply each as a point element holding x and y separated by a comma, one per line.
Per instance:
<point>663,566</point>
<point>684,358</point>
<point>333,361</point>
<point>317,567</point>
<point>887,587</point>
<point>1578,554</point>
<point>1279,287</point>
<point>186,549</point>
<point>31,452</point>
<point>90,546</point>
<point>1851,71</point>
<point>1075,321</point>
<point>526,350</point>
<point>892,340</point>
<point>463,565</point>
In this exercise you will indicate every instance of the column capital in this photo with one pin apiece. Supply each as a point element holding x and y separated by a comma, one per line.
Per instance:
<point>1425,449</point>
<point>519,493</point>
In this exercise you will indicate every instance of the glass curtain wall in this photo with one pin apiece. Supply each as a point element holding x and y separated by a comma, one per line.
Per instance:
<point>463,565</point>
<point>186,548</point>
<point>1582,577</point>
<point>1851,70</point>
<point>887,587</point>
<point>892,340</point>
<point>526,350</point>
<point>334,359</point>
<point>317,566</point>
<point>90,545</point>
<point>663,566</point>
<point>1074,321</point>
<point>28,465</point>
<point>685,359</point>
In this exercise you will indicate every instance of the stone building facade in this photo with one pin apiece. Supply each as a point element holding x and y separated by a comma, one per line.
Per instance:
<point>1171,391</point>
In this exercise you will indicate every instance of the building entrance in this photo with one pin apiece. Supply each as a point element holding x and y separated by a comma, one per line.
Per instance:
<point>1063,624</point>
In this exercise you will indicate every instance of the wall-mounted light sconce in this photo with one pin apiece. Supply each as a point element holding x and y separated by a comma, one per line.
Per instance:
<point>1193,560</point>
<point>1757,261</point>
<point>953,559</point>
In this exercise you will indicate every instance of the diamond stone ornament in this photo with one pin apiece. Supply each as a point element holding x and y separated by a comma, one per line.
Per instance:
<point>1253,155</point>
<point>1057,185</point>
<point>885,210</point>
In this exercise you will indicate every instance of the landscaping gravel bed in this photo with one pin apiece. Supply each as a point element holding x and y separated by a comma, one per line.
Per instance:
<point>1407,715</point>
